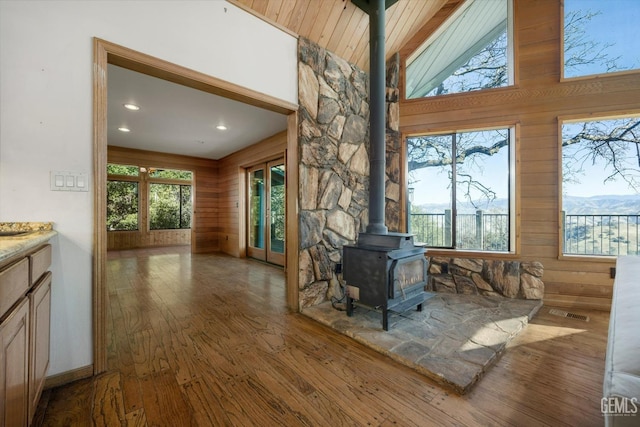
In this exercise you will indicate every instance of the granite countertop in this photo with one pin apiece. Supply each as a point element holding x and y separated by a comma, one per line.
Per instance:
<point>36,234</point>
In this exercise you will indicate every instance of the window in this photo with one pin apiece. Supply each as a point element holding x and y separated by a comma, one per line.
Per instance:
<point>601,186</point>
<point>598,36</point>
<point>122,205</point>
<point>166,198</point>
<point>472,52</point>
<point>466,203</point>
<point>169,206</point>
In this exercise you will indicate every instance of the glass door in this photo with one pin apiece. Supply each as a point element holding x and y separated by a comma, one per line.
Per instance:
<point>266,212</point>
<point>275,217</point>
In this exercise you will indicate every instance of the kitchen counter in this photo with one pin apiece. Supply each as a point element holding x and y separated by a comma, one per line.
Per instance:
<point>36,234</point>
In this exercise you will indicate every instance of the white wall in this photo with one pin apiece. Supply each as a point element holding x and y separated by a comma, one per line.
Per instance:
<point>46,56</point>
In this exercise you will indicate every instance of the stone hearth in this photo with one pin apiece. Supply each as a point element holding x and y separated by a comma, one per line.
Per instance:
<point>454,340</point>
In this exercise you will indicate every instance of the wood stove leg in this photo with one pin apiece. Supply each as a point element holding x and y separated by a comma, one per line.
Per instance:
<point>349,306</point>
<point>419,307</point>
<point>385,318</point>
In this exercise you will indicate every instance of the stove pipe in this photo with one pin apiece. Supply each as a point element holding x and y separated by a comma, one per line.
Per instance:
<point>377,86</point>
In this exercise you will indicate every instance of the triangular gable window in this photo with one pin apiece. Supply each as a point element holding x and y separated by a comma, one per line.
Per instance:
<point>470,52</point>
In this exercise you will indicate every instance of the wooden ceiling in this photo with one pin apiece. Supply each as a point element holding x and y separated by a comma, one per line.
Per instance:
<point>342,28</point>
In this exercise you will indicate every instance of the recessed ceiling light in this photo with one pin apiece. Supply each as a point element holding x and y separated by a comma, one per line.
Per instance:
<point>124,129</point>
<point>132,107</point>
<point>221,127</point>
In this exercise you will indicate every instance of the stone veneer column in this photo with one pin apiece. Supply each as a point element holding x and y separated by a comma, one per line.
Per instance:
<point>333,146</point>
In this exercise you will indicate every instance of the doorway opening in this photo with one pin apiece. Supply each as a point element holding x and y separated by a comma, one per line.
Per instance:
<point>106,53</point>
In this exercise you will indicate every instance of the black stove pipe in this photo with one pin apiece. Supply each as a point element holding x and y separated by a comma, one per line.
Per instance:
<point>377,86</point>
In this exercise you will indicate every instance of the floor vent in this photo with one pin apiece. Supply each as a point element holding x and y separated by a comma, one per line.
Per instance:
<point>566,314</point>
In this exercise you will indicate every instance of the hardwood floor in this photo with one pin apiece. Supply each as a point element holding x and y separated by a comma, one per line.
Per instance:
<point>206,340</point>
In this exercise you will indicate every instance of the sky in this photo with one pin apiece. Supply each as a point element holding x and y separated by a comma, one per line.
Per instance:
<point>616,25</point>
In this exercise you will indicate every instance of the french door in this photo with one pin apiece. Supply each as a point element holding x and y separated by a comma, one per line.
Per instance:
<point>266,212</point>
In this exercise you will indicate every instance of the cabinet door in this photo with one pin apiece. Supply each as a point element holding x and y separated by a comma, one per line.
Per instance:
<point>14,366</point>
<point>39,312</point>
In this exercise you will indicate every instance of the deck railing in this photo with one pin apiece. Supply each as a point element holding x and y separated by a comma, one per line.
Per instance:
<point>583,234</point>
<point>479,231</point>
<point>603,234</point>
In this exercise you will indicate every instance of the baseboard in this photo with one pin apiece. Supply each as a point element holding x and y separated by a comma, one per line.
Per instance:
<point>68,377</point>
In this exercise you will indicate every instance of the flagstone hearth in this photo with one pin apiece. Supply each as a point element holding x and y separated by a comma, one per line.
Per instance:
<point>454,340</point>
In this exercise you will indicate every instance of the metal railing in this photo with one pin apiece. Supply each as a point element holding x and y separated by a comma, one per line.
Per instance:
<point>479,231</point>
<point>601,234</point>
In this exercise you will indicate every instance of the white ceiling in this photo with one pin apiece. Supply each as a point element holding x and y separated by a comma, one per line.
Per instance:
<point>181,120</point>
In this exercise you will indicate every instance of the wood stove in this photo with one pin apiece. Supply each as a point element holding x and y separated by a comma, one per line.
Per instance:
<point>383,270</point>
<point>386,272</point>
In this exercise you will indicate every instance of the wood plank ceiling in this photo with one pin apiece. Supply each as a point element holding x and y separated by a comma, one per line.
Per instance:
<point>341,27</point>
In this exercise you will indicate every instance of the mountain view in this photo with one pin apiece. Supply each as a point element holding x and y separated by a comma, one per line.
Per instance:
<point>594,205</point>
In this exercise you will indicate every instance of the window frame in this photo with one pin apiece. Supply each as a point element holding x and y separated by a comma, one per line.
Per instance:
<point>511,55</point>
<point>144,182</point>
<point>180,183</point>
<point>577,118</point>
<point>564,78</point>
<point>127,178</point>
<point>514,189</point>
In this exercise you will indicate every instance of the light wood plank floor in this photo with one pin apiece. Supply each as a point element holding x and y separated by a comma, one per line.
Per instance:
<point>207,340</point>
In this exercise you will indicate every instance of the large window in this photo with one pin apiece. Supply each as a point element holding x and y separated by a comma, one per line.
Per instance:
<point>460,189</point>
<point>601,187</point>
<point>472,52</point>
<point>164,196</point>
<point>600,36</point>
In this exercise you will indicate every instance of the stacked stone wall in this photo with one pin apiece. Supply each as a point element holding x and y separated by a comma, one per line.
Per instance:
<point>333,148</point>
<point>511,279</point>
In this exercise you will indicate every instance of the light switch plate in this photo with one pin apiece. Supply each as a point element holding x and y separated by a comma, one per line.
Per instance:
<point>69,181</point>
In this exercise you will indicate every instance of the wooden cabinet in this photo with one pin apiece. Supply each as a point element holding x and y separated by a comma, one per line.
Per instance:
<point>25,306</point>
<point>14,366</point>
<point>39,319</point>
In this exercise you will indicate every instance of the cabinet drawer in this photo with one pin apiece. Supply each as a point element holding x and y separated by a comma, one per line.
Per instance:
<point>40,262</point>
<point>14,283</point>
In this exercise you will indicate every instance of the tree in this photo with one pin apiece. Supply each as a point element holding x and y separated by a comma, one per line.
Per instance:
<point>122,205</point>
<point>169,206</point>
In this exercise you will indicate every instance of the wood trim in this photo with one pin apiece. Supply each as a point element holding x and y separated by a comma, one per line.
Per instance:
<point>67,377</point>
<point>155,67</point>
<point>100,54</point>
<point>292,213</point>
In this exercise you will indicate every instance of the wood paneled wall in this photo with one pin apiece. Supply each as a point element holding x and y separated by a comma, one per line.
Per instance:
<point>232,188</point>
<point>536,102</point>
<point>204,232</point>
<point>341,27</point>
